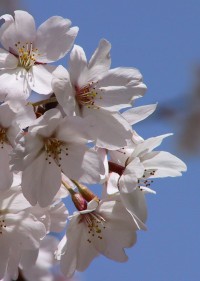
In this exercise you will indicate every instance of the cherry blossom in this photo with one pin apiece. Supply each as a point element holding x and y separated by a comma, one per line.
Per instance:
<point>19,230</point>
<point>103,228</point>
<point>27,51</point>
<point>94,91</point>
<point>53,145</point>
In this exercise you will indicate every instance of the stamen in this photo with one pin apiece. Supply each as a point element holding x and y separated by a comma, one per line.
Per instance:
<point>53,148</point>
<point>26,54</point>
<point>87,95</point>
<point>96,224</point>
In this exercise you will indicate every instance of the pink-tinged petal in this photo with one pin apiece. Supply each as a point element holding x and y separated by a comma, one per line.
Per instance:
<point>54,39</point>
<point>165,164</point>
<point>14,84</point>
<point>110,130</point>
<point>147,146</point>
<point>78,67</point>
<point>40,78</point>
<point>43,187</point>
<point>5,173</point>
<point>137,114</point>
<point>21,29</point>
<point>7,60</point>
<point>81,164</point>
<point>100,61</point>
<point>63,90</point>
<point>135,204</point>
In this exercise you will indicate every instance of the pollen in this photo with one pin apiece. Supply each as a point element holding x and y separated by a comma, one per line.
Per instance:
<point>27,55</point>
<point>89,95</point>
<point>95,224</point>
<point>53,148</point>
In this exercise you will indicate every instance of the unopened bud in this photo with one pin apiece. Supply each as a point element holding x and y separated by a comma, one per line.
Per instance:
<point>79,202</point>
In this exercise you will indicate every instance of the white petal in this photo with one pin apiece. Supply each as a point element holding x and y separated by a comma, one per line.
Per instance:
<point>13,199</point>
<point>110,130</point>
<point>148,145</point>
<point>4,254</point>
<point>25,113</point>
<point>58,215</point>
<point>136,114</point>
<point>63,90</point>
<point>81,164</point>
<point>43,187</point>
<point>135,203</point>
<point>78,67</point>
<point>68,262</point>
<point>55,38</point>
<point>22,29</point>
<point>165,164</point>
<point>100,61</point>
<point>41,77</point>
<point>5,173</point>
<point>14,84</point>
<point>7,60</point>
<point>112,184</point>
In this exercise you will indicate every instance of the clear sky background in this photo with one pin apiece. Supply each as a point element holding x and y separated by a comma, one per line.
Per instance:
<point>162,39</point>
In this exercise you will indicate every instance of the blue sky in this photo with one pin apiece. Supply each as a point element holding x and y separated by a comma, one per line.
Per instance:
<point>162,39</point>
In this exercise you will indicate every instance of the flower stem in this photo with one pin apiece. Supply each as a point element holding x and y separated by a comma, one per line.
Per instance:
<point>68,187</point>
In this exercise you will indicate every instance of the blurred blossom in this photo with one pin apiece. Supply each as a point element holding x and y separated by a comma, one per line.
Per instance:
<point>8,6</point>
<point>184,112</point>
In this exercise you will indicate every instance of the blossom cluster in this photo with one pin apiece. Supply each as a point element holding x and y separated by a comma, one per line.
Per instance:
<point>79,132</point>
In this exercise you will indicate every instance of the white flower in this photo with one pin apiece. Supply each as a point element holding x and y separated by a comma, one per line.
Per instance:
<point>19,230</point>
<point>92,90</point>
<point>104,229</point>
<point>132,169</point>
<point>23,62</point>
<point>8,132</point>
<point>53,145</point>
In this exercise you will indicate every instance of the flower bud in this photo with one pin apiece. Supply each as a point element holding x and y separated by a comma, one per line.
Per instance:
<point>79,202</point>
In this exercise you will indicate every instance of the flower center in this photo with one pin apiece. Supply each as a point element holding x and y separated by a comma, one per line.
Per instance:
<point>27,55</point>
<point>3,136</point>
<point>53,148</point>
<point>95,224</point>
<point>88,95</point>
